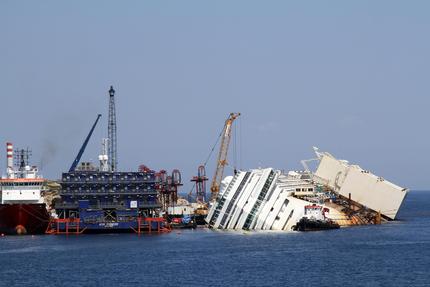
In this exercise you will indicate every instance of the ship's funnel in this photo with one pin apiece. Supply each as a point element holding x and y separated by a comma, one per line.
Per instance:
<point>9,153</point>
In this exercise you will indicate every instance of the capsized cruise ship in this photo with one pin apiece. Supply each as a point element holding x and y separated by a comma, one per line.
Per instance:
<point>269,199</point>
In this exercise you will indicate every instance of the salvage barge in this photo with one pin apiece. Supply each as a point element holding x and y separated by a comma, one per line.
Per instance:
<point>107,201</point>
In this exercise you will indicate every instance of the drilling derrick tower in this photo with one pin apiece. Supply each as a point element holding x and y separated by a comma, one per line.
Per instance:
<point>112,153</point>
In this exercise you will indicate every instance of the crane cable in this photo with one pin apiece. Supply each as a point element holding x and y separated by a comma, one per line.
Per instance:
<point>235,148</point>
<point>214,146</point>
<point>240,142</point>
<point>210,154</point>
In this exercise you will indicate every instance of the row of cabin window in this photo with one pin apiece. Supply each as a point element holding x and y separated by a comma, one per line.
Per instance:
<point>103,178</point>
<point>19,192</point>
<point>22,184</point>
<point>113,188</point>
<point>305,189</point>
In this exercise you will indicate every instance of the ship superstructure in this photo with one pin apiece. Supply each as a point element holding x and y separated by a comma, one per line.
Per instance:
<point>22,209</point>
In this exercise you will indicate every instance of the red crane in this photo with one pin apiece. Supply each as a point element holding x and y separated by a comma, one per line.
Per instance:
<point>167,186</point>
<point>200,181</point>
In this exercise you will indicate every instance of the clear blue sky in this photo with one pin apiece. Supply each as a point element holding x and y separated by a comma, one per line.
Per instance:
<point>351,77</point>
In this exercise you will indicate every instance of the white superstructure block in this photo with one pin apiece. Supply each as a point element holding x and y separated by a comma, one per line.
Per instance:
<point>364,187</point>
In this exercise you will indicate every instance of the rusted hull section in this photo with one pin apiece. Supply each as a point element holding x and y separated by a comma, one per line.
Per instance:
<point>20,219</point>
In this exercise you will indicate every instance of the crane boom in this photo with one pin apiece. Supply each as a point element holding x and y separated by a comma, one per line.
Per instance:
<point>84,145</point>
<point>222,155</point>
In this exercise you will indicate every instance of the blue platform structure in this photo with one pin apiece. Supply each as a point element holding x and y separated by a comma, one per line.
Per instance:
<point>107,201</point>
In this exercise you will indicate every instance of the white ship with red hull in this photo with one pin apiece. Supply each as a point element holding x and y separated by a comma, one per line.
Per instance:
<point>22,207</point>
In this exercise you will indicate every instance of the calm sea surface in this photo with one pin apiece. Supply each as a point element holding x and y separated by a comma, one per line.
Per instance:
<point>394,254</point>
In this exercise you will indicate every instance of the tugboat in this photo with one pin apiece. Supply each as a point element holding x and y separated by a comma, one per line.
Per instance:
<point>184,222</point>
<point>22,208</point>
<point>315,220</point>
<point>181,215</point>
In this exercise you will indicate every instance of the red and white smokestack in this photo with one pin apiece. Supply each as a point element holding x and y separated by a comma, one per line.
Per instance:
<point>9,151</point>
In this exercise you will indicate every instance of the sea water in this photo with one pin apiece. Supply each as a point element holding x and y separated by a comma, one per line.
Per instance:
<point>393,254</point>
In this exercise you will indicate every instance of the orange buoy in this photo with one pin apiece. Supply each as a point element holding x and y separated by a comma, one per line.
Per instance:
<point>20,230</point>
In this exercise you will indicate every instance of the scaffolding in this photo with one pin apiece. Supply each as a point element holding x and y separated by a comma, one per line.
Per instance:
<point>66,226</point>
<point>167,186</point>
<point>150,224</point>
<point>73,226</point>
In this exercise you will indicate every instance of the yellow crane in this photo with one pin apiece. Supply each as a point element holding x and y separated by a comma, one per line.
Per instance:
<point>222,156</point>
